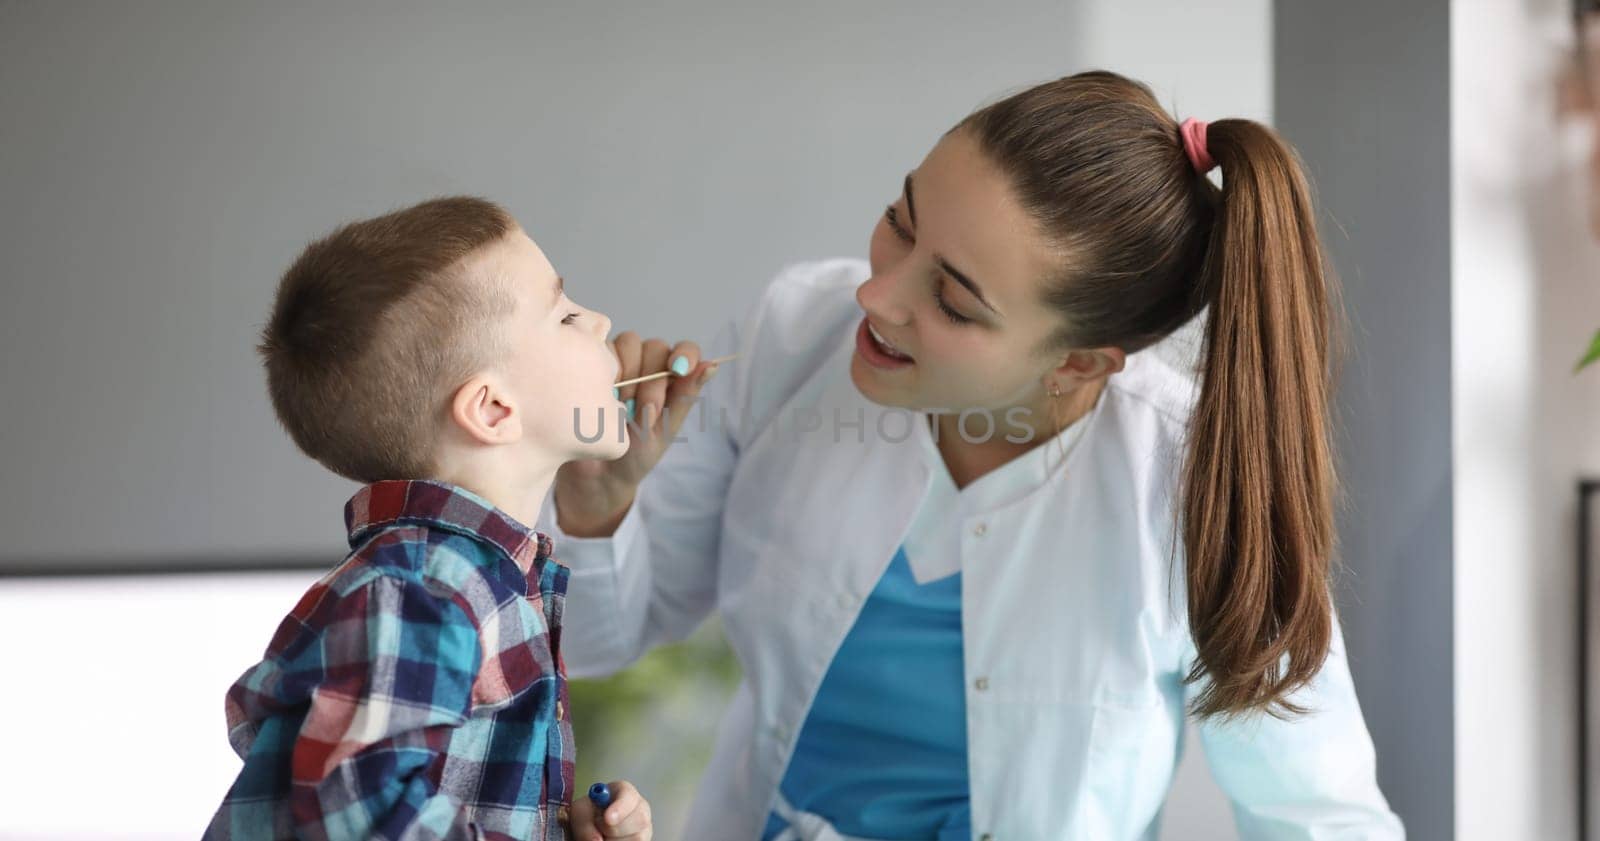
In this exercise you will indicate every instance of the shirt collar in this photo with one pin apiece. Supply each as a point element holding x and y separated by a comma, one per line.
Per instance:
<point>452,507</point>
<point>1016,478</point>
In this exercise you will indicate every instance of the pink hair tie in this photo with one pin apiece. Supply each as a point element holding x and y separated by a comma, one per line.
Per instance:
<point>1194,145</point>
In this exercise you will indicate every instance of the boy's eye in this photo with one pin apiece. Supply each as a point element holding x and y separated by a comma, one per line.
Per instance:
<point>572,316</point>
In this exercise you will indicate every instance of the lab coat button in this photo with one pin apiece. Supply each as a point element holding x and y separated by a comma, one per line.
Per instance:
<point>981,684</point>
<point>986,837</point>
<point>980,529</point>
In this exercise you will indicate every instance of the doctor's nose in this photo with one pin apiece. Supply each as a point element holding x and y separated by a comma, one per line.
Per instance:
<point>879,296</point>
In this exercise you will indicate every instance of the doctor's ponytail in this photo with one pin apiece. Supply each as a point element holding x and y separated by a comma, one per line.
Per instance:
<point>1150,243</point>
<point>1258,498</point>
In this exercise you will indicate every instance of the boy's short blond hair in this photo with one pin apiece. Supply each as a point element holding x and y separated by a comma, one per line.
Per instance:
<point>374,326</point>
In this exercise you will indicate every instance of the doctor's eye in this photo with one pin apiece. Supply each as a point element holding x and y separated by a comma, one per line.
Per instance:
<point>570,318</point>
<point>894,225</point>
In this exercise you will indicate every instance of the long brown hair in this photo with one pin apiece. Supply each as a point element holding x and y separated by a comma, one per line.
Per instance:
<point>1151,243</point>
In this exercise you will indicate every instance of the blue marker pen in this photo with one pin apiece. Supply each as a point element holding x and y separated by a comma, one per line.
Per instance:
<point>600,794</point>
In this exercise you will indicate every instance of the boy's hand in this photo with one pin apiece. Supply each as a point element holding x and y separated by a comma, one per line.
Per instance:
<point>628,817</point>
<point>593,495</point>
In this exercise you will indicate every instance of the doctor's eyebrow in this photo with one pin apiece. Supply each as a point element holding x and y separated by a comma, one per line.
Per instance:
<point>965,281</point>
<point>957,276</point>
<point>561,286</point>
<point>911,207</point>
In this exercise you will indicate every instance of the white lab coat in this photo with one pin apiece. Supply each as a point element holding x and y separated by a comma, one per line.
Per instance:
<point>782,505</point>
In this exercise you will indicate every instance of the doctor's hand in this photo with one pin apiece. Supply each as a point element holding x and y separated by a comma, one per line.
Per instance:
<point>592,495</point>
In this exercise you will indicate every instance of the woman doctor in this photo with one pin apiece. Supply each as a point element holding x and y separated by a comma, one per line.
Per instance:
<point>979,557</point>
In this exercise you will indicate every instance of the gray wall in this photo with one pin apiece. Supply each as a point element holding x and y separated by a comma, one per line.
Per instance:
<point>161,163</point>
<point>1363,90</point>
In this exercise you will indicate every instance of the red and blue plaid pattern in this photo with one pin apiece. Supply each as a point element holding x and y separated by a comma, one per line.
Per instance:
<point>415,692</point>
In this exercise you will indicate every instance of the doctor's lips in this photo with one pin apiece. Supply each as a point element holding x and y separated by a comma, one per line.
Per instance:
<point>879,351</point>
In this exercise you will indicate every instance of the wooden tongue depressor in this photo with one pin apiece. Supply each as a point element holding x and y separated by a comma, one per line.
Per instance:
<point>658,375</point>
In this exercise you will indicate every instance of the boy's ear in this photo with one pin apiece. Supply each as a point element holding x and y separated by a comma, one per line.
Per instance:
<point>484,411</point>
<point>1087,365</point>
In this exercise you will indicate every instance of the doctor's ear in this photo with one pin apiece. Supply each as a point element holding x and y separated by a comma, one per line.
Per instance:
<point>1079,367</point>
<point>485,412</point>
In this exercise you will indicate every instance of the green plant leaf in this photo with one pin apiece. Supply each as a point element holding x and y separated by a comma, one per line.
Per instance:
<point>1592,356</point>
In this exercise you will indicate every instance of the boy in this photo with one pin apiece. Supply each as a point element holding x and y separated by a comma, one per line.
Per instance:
<point>417,691</point>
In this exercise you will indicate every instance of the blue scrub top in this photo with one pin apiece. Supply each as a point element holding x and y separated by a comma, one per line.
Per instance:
<point>883,753</point>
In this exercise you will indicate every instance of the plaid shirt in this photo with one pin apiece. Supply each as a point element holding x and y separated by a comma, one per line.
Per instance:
<point>415,692</point>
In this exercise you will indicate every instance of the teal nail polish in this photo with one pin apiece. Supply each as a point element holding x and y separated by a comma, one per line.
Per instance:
<point>680,366</point>
<point>616,392</point>
<point>629,404</point>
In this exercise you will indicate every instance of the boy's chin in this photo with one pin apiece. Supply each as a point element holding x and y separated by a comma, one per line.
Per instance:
<point>608,448</point>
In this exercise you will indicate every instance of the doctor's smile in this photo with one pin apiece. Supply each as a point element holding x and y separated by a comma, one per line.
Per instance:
<point>878,351</point>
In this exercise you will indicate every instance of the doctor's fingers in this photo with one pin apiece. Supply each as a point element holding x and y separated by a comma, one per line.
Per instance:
<point>683,361</point>
<point>629,349</point>
<point>679,391</point>
<point>652,358</point>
